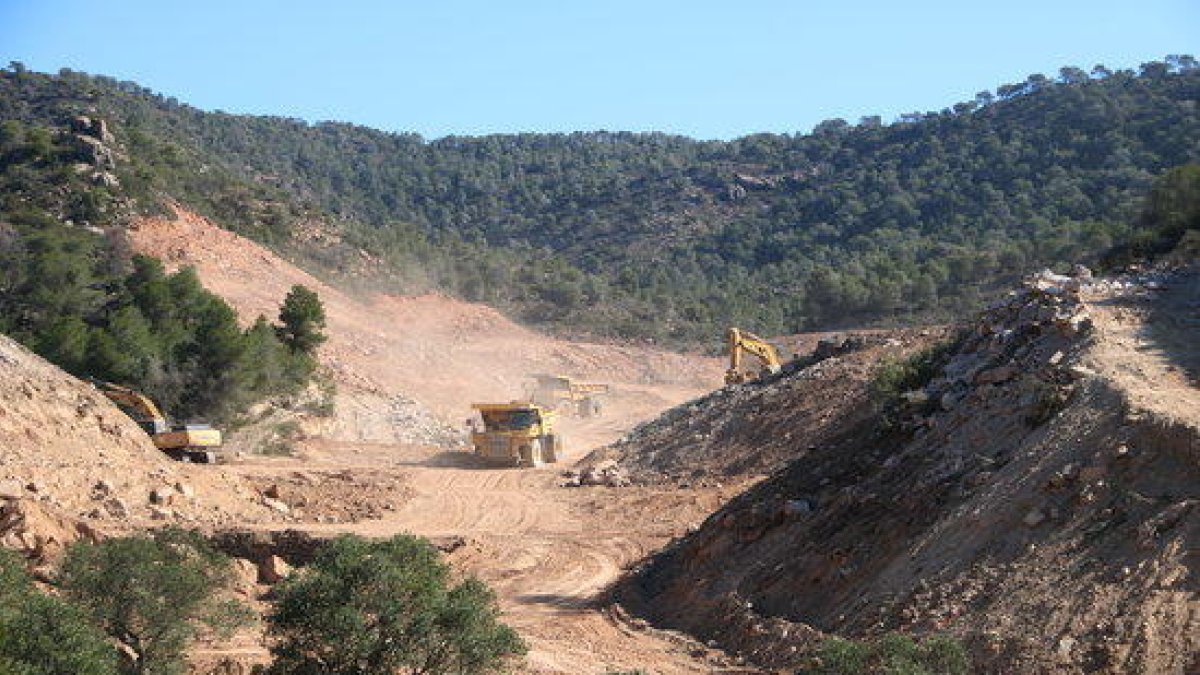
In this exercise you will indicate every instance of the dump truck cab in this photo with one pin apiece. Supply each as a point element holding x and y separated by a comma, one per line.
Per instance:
<point>517,434</point>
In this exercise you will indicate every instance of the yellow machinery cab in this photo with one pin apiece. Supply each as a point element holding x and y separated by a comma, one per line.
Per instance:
<point>517,434</point>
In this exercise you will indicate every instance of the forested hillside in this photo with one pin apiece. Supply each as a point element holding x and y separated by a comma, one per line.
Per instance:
<point>71,291</point>
<point>667,237</point>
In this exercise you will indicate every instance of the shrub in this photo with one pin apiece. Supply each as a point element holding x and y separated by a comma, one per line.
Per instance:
<point>366,607</point>
<point>894,654</point>
<point>843,656</point>
<point>43,635</point>
<point>150,592</point>
<point>897,376</point>
<point>1048,400</point>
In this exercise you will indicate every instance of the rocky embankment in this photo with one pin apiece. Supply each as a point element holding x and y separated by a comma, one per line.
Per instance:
<point>73,464</point>
<point>1023,500</point>
<point>752,429</point>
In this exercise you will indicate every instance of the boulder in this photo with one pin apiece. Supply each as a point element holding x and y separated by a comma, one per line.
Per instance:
<point>997,375</point>
<point>162,496</point>
<point>793,508</point>
<point>11,489</point>
<point>273,569</point>
<point>1034,518</point>
<point>117,508</point>
<point>245,574</point>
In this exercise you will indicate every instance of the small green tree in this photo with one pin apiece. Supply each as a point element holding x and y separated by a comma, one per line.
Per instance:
<point>42,635</point>
<point>303,317</point>
<point>150,593</point>
<point>367,607</point>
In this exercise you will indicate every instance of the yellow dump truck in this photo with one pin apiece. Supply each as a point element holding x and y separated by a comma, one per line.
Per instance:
<point>564,395</point>
<point>516,434</point>
<point>184,442</point>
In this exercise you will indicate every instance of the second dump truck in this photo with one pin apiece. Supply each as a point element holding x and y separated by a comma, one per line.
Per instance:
<point>567,396</point>
<point>516,434</point>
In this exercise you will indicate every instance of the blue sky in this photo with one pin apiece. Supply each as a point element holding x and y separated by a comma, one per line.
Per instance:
<point>701,68</point>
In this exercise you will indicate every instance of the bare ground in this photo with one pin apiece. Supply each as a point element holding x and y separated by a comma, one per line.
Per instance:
<point>1040,506</point>
<point>549,552</point>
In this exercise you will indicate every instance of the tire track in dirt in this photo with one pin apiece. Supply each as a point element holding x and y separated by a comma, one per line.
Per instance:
<point>1147,346</point>
<point>548,561</point>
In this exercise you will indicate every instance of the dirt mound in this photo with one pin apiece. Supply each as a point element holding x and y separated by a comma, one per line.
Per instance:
<point>39,531</point>
<point>755,428</point>
<point>64,445</point>
<point>1027,500</point>
<point>343,496</point>
<point>408,368</point>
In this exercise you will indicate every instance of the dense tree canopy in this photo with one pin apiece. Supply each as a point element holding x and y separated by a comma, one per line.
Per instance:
<point>668,237</point>
<point>365,607</point>
<point>43,635</point>
<point>70,290</point>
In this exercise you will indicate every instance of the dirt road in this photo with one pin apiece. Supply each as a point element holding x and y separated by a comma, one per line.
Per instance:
<point>548,552</point>
<point>1148,345</point>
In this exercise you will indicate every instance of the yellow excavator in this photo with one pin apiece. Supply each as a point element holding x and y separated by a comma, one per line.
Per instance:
<point>743,342</point>
<point>184,442</point>
<point>517,434</point>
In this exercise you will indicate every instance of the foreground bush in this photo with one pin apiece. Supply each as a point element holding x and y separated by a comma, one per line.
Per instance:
<point>151,593</point>
<point>42,635</point>
<point>371,607</point>
<point>892,655</point>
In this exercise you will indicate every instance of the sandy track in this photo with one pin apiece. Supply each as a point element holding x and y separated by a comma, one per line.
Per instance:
<point>550,553</point>
<point>1147,346</point>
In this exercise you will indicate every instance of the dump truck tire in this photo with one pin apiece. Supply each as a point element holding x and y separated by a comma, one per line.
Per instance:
<point>531,455</point>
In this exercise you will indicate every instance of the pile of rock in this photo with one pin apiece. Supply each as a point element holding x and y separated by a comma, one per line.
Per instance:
<point>607,473</point>
<point>1032,332</point>
<point>38,531</point>
<point>413,423</point>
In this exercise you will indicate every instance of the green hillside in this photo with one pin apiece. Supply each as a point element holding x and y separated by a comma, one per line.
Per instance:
<point>667,237</point>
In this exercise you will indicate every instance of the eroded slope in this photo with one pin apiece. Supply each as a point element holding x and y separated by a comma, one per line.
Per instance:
<point>68,455</point>
<point>1030,502</point>
<point>753,429</point>
<point>417,363</point>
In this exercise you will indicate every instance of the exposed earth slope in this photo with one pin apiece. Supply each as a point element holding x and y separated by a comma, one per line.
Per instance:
<point>397,360</point>
<point>752,430</point>
<point>70,453</point>
<point>550,553</point>
<point>1037,498</point>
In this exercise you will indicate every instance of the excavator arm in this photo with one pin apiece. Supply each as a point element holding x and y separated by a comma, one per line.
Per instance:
<point>191,442</point>
<point>136,405</point>
<point>743,342</point>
